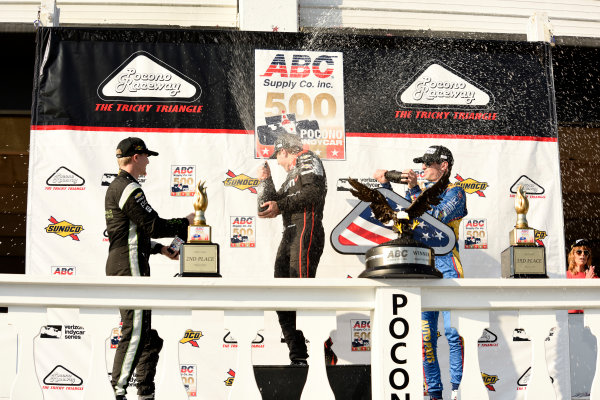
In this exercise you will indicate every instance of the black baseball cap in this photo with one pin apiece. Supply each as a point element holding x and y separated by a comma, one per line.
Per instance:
<point>436,154</point>
<point>286,141</point>
<point>580,243</point>
<point>132,145</point>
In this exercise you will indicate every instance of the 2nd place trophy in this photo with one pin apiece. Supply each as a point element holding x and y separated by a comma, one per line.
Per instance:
<point>199,256</point>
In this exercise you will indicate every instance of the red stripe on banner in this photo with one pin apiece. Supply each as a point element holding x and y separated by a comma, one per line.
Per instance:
<point>373,237</point>
<point>251,132</point>
<point>140,129</point>
<point>345,242</point>
<point>446,136</point>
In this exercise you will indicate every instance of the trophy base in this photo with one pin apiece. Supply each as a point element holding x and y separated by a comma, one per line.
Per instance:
<point>403,271</point>
<point>523,262</point>
<point>402,258</point>
<point>199,259</point>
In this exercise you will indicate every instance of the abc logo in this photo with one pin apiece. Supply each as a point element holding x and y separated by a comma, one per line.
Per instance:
<point>475,223</point>
<point>188,369</point>
<point>63,270</point>
<point>242,220</point>
<point>184,170</point>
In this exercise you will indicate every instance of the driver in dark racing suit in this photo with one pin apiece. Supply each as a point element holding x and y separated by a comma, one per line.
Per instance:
<point>300,201</point>
<point>130,223</point>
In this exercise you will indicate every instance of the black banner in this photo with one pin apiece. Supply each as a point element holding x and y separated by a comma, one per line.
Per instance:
<point>205,80</point>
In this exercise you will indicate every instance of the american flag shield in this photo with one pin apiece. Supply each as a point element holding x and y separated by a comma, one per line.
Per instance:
<point>359,230</point>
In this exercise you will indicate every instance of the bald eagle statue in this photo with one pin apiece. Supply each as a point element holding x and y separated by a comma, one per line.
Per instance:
<point>405,220</point>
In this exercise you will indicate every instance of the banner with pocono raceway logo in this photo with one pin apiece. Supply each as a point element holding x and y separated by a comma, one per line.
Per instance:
<point>212,104</point>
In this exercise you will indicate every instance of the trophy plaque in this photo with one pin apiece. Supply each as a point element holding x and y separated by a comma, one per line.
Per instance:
<point>403,257</point>
<point>199,256</point>
<point>523,259</point>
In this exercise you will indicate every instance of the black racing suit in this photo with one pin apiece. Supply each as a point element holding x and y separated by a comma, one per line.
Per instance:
<point>130,223</point>
<point>301,200</point>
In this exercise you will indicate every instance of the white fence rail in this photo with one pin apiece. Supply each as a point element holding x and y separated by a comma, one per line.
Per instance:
<point>395,323</point>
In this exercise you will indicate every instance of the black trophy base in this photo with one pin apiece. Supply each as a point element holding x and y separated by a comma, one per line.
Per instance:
<point>402,258</point>
<point>523,262</point>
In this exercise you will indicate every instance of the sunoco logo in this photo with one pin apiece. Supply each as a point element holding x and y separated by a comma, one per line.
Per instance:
<point>539,236</point>
<point>489,381</point>
<point>191,337</point>
<point>230,378</point>
<point>439,85</point>
<point>64,228</point>
<point>471,186</point>
<point>144,77</point>
<point>241,182</point>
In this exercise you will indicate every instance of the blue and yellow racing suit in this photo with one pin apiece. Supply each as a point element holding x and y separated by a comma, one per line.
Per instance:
<point>451,210</point>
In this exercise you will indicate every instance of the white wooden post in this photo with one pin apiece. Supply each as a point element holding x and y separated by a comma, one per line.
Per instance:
<point>243,325</point>
<point>170,325</point>
<point>316,326</point>
<point>27,322</point>
<point>268,15</point>
<point>98,323</point>
<point>470,326</point>
<point>537,325</point>
<point>49,13</point>
<point>396,350</point>
<point>591,319</point>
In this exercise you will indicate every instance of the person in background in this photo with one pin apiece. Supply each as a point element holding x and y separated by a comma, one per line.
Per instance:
<point>580,264</point>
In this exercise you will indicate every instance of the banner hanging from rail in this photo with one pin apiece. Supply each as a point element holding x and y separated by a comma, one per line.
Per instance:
<point>212,103</point>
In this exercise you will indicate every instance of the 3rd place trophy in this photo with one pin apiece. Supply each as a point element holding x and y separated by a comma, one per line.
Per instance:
<point>523,259</point>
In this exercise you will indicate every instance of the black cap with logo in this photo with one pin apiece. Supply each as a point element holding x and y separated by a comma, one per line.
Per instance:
<point>132,145</point>
<point>581,243</point>
<point>287,141</point>
<point>436,154</point>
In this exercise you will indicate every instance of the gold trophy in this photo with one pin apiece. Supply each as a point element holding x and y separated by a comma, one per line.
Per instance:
<point>522,234</point>
<point>199,256</point>
<point>523,259</point>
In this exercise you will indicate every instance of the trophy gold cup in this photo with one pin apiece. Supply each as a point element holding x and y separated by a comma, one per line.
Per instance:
<point>523,259</point>
<point>199,256</point>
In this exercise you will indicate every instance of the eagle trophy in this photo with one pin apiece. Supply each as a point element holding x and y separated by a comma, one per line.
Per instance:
<point>406,220</point>
<point>403,257</point>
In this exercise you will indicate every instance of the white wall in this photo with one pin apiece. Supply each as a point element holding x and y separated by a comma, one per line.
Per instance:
<point>581,18</point>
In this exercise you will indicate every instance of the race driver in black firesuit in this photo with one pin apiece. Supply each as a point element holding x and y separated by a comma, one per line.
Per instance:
<point>300,201</point>
<point>130,223</point>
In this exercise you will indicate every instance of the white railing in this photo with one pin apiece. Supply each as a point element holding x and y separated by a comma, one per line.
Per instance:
<point>395,322</point>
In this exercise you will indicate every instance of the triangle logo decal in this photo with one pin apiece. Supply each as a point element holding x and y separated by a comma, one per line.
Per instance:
<point>143,77</point>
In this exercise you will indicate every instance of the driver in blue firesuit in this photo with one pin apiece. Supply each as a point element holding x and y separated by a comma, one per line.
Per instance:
<point>436,162</point>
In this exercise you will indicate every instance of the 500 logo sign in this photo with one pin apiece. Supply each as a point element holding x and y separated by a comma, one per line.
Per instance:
<point>361,334</point>
<point>300,92</point>
<point>476,234</point>
<point>183,180</point>
<point>189,379</point>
